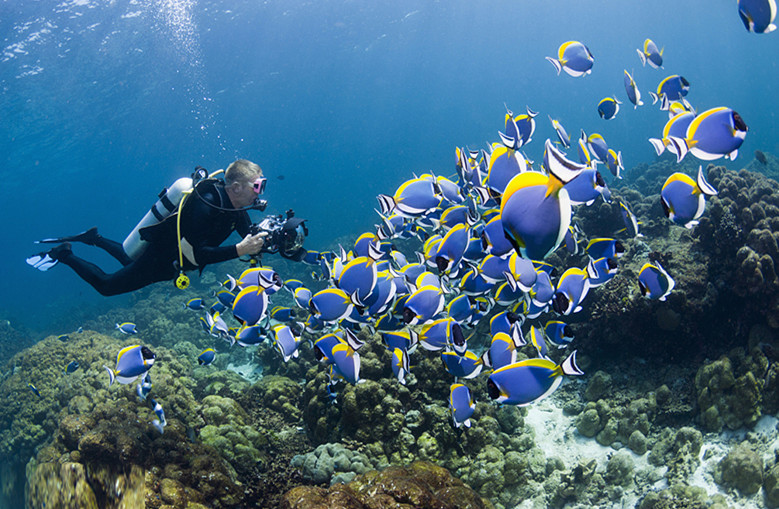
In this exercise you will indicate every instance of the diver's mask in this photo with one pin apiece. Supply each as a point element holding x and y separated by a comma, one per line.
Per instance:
<point>259,187</point>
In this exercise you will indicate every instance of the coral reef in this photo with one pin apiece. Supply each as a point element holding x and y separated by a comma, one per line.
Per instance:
<point>682,495</point>
<point>724,397</point>
<point>331,463</point>
<point>227,432</point>
<point>421,485</point>
<point>678,450</point>
<point>742,469</point>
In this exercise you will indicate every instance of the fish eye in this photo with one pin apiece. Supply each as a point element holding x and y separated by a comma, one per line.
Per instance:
<point>408,315</point>
<point>147,353</point>
<point>612,263</point>
<point>599,179</point>
<point>567,332</point>
<point>619,247</point>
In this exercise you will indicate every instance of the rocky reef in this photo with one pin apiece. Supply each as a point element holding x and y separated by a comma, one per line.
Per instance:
<point>421,485</point>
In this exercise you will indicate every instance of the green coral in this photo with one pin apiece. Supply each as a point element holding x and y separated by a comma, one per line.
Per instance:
<point>678,450</point>
<point>420,485</point>
<point>682,496</point>
<point>227,432</point>
<point>280,394</point>
<point>730,390</point>
<point>742,469</point>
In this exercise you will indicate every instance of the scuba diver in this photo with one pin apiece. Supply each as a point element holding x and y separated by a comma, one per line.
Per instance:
<point>184,231</point>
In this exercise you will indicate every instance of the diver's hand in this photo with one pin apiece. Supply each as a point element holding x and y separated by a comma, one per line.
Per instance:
<point>251,244</point>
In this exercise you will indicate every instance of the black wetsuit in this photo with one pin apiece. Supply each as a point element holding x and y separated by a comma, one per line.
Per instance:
<point>204,228</point>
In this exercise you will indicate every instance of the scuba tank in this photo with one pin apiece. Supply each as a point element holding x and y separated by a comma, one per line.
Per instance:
<point>169,200</point>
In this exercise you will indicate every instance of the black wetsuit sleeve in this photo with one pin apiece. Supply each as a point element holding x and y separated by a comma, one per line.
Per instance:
<point>243,225</point>
<point>206,227</point>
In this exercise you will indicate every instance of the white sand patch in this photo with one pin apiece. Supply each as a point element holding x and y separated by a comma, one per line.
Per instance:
<point>717,446</point>
<point>249,371</point>
<point>556,435</point>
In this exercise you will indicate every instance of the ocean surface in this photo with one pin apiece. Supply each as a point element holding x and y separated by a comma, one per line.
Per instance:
<point>105,103</point>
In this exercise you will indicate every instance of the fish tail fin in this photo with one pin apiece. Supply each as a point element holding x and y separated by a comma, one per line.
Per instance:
<point>387,203</point>
<point>569,367</point>
<point>512,282</point>
<point>556,63</point>
<point>654,97</point>
<point>111,375</point>
<point>517,337</point>
<point>374,251</point>
<point>482,194</point>
<point>682,146</point>
<point>658,144</point>
<point>642,57</point>
<point>704,185</point>
<point>355,299</point>
<point>508,141</point>
<point>485,359</point>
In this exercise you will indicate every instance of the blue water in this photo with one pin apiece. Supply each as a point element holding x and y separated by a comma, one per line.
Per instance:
<point>105,103</point>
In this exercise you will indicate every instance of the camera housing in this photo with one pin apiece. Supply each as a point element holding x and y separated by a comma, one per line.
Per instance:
<point>285,235</point>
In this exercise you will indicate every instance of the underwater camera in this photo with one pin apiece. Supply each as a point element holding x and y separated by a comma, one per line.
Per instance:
<point>285,235</point>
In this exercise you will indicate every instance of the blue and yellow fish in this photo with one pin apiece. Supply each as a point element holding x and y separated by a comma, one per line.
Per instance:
<point>716,133</point>
<point>562,134</point>
<point>461,405</point>
<point>654,282</point>
<point>127,328</point>
<point>631,89</point>
<point>536,210</point>
<point>758,15</point>
<point>206,357</point>
<point>467,365</point>
<point>529,381</point>
<point>423,305</point>
<point>400,364</point>
<point>684,199</point>
<point>195,304</point>
<point>574,58</point>
<point>131,362</point>
<point>651,54</point>
<point>673,87</point>
<point>572,288</point>
<point>608,108</point>
<point>558,333</point>
<point>604,248</point>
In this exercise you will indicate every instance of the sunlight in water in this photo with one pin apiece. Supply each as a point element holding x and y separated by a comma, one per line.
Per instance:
<point>176,15</point>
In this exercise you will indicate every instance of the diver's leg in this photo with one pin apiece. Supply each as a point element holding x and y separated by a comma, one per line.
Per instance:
<point>92,238</point>
<point>135,275</point>
<point>113,248</point>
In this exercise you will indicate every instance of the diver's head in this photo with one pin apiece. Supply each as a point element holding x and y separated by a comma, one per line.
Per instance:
<point>244,182</point>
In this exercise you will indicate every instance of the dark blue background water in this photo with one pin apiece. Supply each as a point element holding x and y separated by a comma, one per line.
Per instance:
<point>105,103</point>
